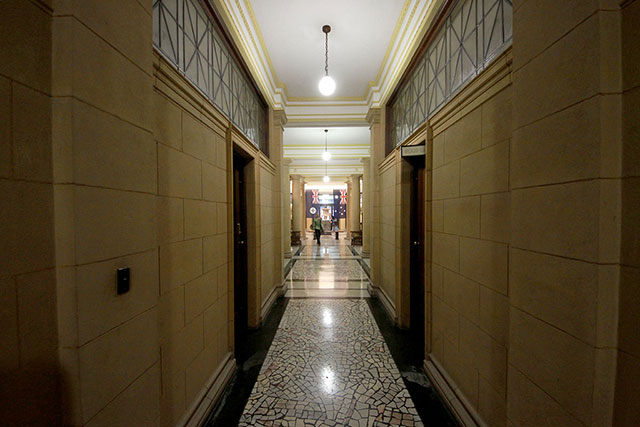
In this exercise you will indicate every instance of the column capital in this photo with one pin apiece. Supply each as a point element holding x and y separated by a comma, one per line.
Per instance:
<point>366,161</point>
<point>286,161</point>
<point>279,118</point>
<point>374,116</point>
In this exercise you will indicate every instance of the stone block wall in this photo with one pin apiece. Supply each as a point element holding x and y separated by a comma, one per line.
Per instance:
<point>105,162</point>
<point>470,240</point>
<point>387,231</point>
<point>533,271</point>
<point>565,213</point>
<point>109,158</point>
<point>193,212</point>
<point>28,337</point>
<point>269,240</point>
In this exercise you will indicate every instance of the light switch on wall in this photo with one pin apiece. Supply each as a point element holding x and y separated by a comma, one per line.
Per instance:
<point>123,280</point>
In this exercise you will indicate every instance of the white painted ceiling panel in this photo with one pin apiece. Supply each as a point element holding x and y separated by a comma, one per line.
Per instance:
<point>361,31</point>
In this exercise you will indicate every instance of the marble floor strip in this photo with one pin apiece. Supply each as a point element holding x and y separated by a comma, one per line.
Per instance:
<point>329,365</point>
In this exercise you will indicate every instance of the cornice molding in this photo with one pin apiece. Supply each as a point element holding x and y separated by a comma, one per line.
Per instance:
<point>267,164</point>
<point>374,116</point>
<point>388,162</point>
<point>280,117</point>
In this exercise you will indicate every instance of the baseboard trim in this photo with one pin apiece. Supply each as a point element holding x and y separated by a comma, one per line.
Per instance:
<point>373,290</point>
<point>386,302</point>
<point>271,299</point>
<point>452,395</point>
<point>210,394</point>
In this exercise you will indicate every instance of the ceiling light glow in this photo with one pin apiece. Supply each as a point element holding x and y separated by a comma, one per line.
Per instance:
<point>327,86</point>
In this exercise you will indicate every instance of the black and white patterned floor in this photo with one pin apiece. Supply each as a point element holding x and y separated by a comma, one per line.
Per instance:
<point>328,364</point>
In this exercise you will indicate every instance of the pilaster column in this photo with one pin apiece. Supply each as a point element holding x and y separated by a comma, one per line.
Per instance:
<point>303,210</point>
<point>366,207</point>
<point>298,204</point>
<point>347,219</point>
<point>354,203</point>
<point>286,208</point>
<point>277,121</point>
<point>376,119</point>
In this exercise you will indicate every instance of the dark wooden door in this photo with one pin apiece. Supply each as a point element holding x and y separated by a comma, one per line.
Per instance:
<point>240,296</point>
<point>417,295</point>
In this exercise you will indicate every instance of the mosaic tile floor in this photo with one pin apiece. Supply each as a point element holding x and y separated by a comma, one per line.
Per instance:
<point>329,365</point>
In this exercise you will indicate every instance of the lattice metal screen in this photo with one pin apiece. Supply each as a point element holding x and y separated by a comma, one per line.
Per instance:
<point>474,33</point>
<point>187,37</point>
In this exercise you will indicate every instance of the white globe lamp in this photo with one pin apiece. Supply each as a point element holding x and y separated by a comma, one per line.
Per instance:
<point>327,86</point>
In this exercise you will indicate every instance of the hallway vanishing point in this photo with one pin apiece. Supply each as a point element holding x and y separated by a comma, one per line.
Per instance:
<point>163,162</point>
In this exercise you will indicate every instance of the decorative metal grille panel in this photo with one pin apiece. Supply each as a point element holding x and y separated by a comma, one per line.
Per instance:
<point>186,36</point>
<point>474,33</point>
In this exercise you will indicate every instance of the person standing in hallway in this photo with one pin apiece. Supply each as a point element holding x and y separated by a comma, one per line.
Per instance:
<point>316,225</point>
<point>334,225</point>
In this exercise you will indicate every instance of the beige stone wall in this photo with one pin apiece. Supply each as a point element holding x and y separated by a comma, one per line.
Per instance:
<point>529,218</point>
<point>375,117</point>
<point>627,411</point>
<point>106,184</point>
<point>193,212</point>
<point>470,235</point>
<point>565,213</point>
<point>270,236</point>
<point>28,338</point>
<point>387,214</point>
<point>108,159</point>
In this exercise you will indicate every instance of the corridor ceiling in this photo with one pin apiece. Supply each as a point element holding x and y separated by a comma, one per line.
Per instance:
<point>304,146</point>
<point>370,46</point>
<point>292,34</point>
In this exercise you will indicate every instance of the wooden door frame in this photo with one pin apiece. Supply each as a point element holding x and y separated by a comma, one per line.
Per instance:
<point>237,143</point>
<point>404,178</point>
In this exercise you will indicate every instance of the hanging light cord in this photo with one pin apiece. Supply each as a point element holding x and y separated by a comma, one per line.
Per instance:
<point>325,140</point>
<point>326,53</point>
<point>326,131</point>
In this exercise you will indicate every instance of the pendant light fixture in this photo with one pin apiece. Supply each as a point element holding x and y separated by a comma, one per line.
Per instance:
<point>327,85</point>
<point>326,156</point>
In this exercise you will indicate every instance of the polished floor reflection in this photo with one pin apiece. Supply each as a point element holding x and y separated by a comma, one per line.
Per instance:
<point>328,270</point>
<point>328,364</point>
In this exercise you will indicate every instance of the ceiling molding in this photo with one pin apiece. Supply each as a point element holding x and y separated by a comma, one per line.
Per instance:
<point>349,111</point>
<point>332,171</point>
